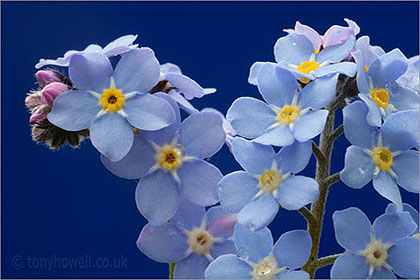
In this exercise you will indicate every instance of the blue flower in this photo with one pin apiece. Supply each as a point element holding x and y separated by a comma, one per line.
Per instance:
<point>170,162</point>
<point>258,259</point>
<point>368,53</point>
<point>406,208</point>
<point>410,78</point>
<point>110,103</point>
<point>192,239</point>
<point>116,47</point>
<point>375,251</point>
<point>267,182</point>
<point>289,114</point>
<point>378,86</point>
<point>381,154</point>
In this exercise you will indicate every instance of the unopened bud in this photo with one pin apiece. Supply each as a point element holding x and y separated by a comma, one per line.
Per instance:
<point>39,113</point>
<point>33,100</point>
<point>46,77</point>
<point>51,91</point>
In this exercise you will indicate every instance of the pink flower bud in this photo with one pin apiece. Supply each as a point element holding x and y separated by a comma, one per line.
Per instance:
<point>51,91</point>
<point>46,77</point>
<point>40,113</point>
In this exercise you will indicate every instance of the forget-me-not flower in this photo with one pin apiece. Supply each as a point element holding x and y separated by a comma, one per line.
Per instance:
<point>382,155</point>
<point>192,239</point>
<point>411,210</point>
<point>170,162</point>
<point>116,47</point>
<point>258,259</point>
<point>375,251</point>
<point>378,86</point>
<point>267,182</point>
<point>288,114</point>
<point>111,102</point>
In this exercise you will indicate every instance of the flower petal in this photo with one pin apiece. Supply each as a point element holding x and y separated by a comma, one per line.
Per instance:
<point>136,163</point>
<point>250,117</point>
<point>406,167</point>
<point>385,185</point>
<point>276,85</point>
<point>236,190</point>
<point>408,208</point>
<point>374,116</point>
<point>318,93</point>
<point>190,88</point>
<point>149,112</point>
<point>403,257</point>
<point>294,158</point>
<point>352,229</point>
<point>220,223</point>
<point>350,266</point>
<point>154,190</point>
<point>309,33</point>
<point>202,134</point>
<point>254,71</point>
<point>223,248</point>
<point>112,136</point>
<point>183,103</point>
<point>279,136</point>
<point>310,125</point>
<point>392,227</point>
<point>300,274</point>
<point>165,243</point>
<point>382,273</point>
<point>356,128</point>
<point>297,191</point>
<point>90,71</point>
<point>252,245</point>
<point>253,157</point>
<point>192,267</point>
<point>293,249</point>
<point>387,68</point>
<point>120,45</point>
<point>199,182</point>
<point>358,168</point>
<point>138,70</point>
<point>346,68</point>
<point>74,110</point>
<point>293,48</point>
<point>188,215</point>
<point>338,34</point>
<point>403,98</point>
<point>259,213</point>
<point>336,53</point>
<point>362,78</point>
<point>228,267</point>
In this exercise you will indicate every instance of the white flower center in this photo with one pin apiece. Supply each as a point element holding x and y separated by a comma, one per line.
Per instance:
<point>266,268</point>
<point>376,254</point>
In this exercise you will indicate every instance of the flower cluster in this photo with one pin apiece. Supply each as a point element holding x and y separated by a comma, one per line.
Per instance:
<point>208,225</point>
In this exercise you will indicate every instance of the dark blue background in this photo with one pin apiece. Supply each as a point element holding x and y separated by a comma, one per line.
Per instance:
<point>65,204</point>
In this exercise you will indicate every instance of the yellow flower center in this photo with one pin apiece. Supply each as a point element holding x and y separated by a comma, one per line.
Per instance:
<point>269,181</point>
<point>308,66</point>
<point>288,114</point>
<point>304,80</point>
<point>366,68</point>
<point>200,241</point>
<point>380,96</point>
<point>169,158</point>
<point>112,100</point>
<point>382,158</point>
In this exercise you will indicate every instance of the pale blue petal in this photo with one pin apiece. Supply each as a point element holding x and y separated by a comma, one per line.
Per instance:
<point>362,78</point>
<point>352,229</point>
<point>170,68</point>
<point>220,223</point>
<point>236,190</point>
<point>346,68</point>
<point>403,257</point>
<point>403,98</point>
<point>279,136</point>
<point>293,249</point>
<point>294,158</point>
<point>310,125</point>
<point>370,53</point>
<point>406,207</point>
<point>112,136</point>
<point>183,103</point>
<point>165,243</point>
<point>228,267</point>
<point>120,45</point>
<point>392,227</point>
<point>300,274</point>
<point>192,267</point>
<point>74,110</point>
<point>199,182</point>
<point>136,163</point>
<point>293,48</point>
<point>336,53</point>
<point>223,248</point>
<point>382,273</point>
<point>350,266</point>
<point>318,93</point>
<point>358,168</point>
<point>356,128</point>
<point>374,116</point>
<point>252,245</point>
<point>190,88</point>
<point>387,68</point>
<point>250,117</point>
<point>154,190</point>
<point>253,157</point>
<point>188,215</point>
<point>90,71</point>
<point>259,213</point>
<point>401,125</point>
<point>148,112</point>
<point>385,185</point>
<point>297,191</point>
<point>202,134</point>
<point>406,167</point>
<point>253,72</point>
<point>276,85</point>
<point>138,70</point>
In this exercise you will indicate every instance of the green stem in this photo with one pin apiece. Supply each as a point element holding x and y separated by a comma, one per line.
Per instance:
<point>171,270</point>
